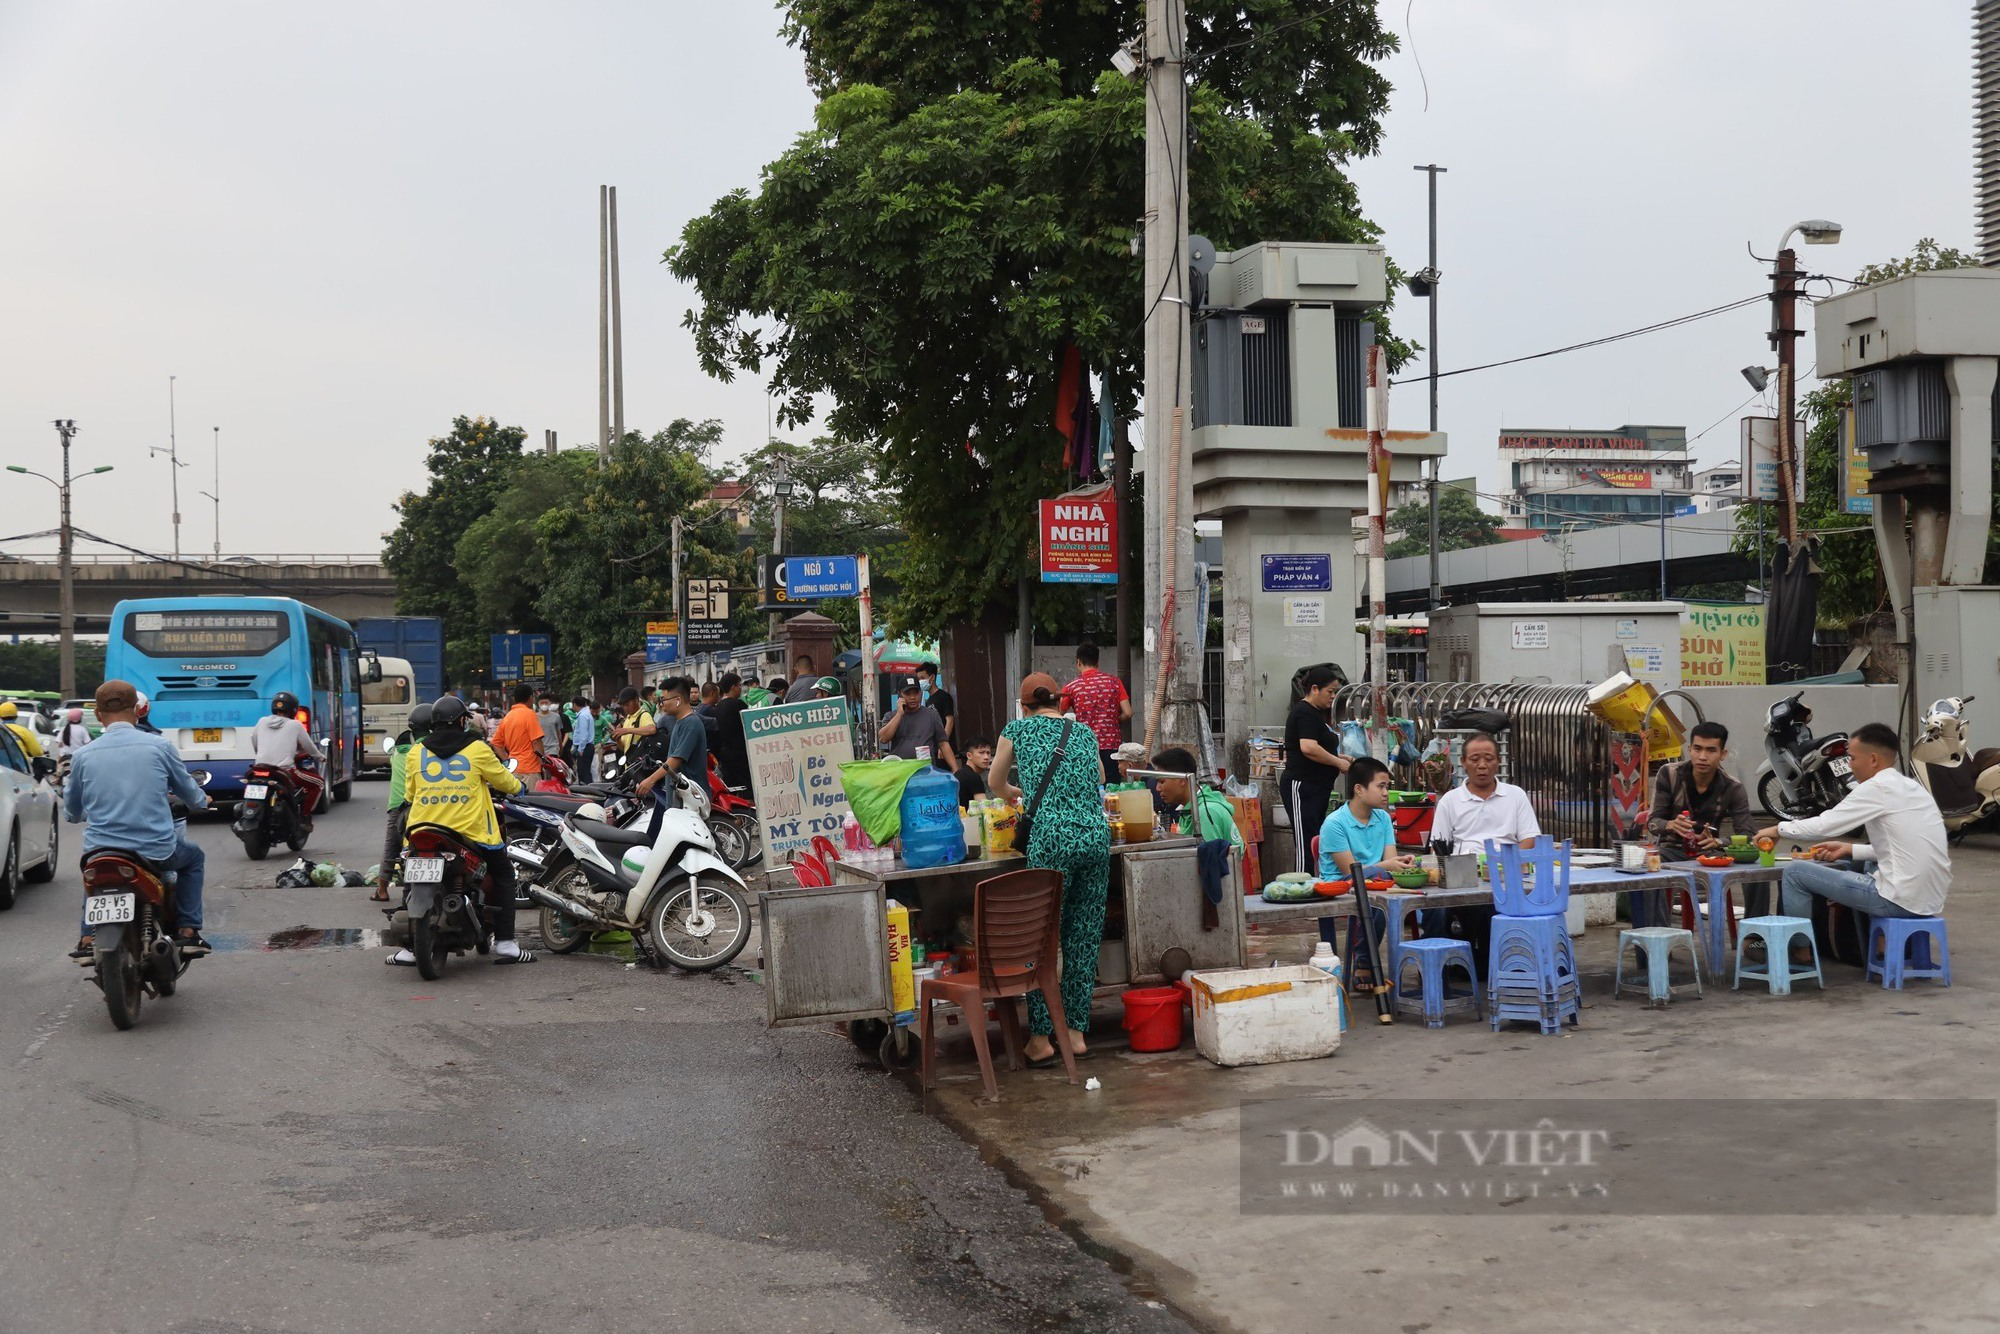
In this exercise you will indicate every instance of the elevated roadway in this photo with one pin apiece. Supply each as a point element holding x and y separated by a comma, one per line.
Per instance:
<point>344,585</point>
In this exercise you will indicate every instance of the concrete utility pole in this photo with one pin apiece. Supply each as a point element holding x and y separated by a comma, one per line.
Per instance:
<point>1429,279</point>
<point>677,579</point>
<point>65,563</point>
<point>781,491</point>
<point>617,335</point>
<point>216,494</point>
<point>172,451</point>
<point>1378,564</point>
<point>1173,599</point>
<point>603,324</point>
<point>1785,336</point>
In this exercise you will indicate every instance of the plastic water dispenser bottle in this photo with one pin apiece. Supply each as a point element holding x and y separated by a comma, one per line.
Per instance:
<point>1324,959</point>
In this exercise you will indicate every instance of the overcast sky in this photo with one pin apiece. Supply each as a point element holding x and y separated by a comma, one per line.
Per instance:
<point>341,227</point>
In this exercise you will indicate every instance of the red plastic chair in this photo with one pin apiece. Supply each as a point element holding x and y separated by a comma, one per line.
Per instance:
<point>825,849</point>
<point>1016,926</point>
<point>810,871</point>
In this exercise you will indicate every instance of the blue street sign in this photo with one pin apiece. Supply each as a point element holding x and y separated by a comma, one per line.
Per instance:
<point>809,577</point>
<point>514,655</point>
<point>663,648</point>
<point>1307,573</point>
<point>1682,511</point>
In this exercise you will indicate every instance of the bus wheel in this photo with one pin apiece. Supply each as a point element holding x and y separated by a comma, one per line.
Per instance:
<point>344,791</point>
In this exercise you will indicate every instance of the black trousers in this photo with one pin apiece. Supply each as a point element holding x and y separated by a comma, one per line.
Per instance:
<point>1307,804</point>
<point>392,838</point>
<point>500,892</point>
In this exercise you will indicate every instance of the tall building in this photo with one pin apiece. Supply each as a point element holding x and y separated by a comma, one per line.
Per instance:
<point>1594,477</point>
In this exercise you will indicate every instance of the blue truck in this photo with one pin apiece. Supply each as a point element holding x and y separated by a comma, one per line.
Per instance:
<point>417,639</point>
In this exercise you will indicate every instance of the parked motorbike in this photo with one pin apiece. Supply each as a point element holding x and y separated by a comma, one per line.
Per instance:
<point>1802,775</point>
<point>682,903</point>
<point>128,907</point>
<point>277,807</point>
<point>1965,786</point>
<point>444,910</point>
<point>733,820</point>
<point>531,823</point>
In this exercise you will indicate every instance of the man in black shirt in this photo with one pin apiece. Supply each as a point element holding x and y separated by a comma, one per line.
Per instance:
<point>939,699</point>
<point>732,753</point>
<point>972,774</point>
<point>1313,764</point>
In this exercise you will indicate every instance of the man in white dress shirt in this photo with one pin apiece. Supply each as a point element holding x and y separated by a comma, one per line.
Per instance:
<point>1480,808</point>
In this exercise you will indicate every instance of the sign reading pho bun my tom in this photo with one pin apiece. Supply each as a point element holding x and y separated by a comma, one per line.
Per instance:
<point>796,751</point>
<point>1080,539</point>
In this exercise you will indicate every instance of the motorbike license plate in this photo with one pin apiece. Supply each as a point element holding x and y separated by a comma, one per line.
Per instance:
<point>104,909</point>
<point>1840,766</point>
<point>423,870</point>
<point>256,792</point>
<point>208,736</point>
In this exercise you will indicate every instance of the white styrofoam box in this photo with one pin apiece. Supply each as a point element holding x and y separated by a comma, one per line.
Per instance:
<point>1598,909</point>
<point>1258,1016</point>
<point>1577,915</point>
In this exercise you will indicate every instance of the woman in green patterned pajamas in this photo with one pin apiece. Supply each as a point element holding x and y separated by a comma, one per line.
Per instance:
<point>1068,834</point>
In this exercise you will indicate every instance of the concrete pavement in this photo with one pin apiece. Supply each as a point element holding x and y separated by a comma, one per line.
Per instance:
<point>305,1140</point>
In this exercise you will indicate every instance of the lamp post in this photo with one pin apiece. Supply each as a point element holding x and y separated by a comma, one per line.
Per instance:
<point>781,491</point>
<point>1425,284</point>
<point>216,494</point>
<point>65,429</point>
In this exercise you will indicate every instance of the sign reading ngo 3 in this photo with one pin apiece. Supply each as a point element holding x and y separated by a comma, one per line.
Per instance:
<point>796,751</point>
<point>1079,540</point>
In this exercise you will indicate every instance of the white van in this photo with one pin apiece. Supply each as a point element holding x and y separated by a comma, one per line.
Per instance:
<point>385,710</point>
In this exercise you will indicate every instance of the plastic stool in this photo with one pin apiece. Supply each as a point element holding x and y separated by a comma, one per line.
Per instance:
<point>1657,942</point>
<point>1531,973</point>
<point>1431,957</point>
<point>1776,933</point>
<point>1907,950</point>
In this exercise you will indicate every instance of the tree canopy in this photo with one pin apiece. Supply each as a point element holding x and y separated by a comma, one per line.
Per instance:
<point>965,207</point>
<point>1461,524</point>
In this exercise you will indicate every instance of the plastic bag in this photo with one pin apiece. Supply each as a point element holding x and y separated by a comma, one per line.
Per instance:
<point>296,876</point>
<point>325,875</point>
<point>875,794</point>
<point>1353,740</point>
<point>1405,749</point>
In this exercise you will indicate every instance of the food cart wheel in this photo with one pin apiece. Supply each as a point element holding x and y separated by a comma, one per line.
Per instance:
<point>898,1050</point>
<point>867,1034</point>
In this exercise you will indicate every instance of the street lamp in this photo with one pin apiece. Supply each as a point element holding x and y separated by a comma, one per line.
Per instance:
<point>64,543</point>
<point>781,491</point>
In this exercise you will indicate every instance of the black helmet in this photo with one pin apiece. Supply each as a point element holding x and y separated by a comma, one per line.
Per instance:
<point>285,703</point>
<point>420,720</point>
<point>447,713</point>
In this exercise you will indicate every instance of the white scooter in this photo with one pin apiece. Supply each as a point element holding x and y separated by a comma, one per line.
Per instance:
<point>679,899</point>
<point>1965,786</point>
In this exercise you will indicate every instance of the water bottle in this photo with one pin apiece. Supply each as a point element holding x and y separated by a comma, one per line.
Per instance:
<point>932,834</point>
<point>1324,959</point>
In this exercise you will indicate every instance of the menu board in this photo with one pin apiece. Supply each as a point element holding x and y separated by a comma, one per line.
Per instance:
<point>796,751</point>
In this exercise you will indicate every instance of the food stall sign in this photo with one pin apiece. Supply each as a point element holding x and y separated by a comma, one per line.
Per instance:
<point>796,751</point>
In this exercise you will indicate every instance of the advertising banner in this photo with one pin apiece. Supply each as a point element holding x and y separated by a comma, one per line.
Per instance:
<point>1079,540</point>
<point>663,641</point>
<point>796,751</point>
<point>1722,644</point>
<point>1629,479</point>
<point>1760,458</point>
<point>1854,477</point>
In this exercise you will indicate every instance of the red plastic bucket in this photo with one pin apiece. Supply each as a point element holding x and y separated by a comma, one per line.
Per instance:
<point>1153,1017</point>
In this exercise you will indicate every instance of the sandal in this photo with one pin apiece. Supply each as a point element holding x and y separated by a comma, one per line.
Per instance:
<point>525,956</point>
<point>379,896</point>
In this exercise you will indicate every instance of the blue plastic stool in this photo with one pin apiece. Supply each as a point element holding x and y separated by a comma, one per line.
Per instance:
<point>1776,933</point>
<point>1531,973</point>
<point>1907,950</point>
<point>1658,944</point>
<point>1514,894</point>
<point>1431,957</point>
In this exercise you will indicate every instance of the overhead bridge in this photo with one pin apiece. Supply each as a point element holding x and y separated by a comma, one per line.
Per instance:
<point>346,586</point>
<point>1616,558</point>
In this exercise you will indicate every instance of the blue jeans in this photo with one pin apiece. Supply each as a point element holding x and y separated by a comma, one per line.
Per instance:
<point>1838,882</point>
<point>190,865</point>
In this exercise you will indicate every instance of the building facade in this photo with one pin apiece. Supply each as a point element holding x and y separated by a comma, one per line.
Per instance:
<point>1563,478</point>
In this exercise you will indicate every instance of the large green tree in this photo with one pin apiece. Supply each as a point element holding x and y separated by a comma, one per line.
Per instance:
<point>965,206</point>
<point>500,558</point>
<point>1461,524</point>
<point>1850,580</point>
<point>469,468</point>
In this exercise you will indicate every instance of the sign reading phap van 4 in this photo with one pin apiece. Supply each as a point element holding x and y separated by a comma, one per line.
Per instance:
<point>1080,540</point>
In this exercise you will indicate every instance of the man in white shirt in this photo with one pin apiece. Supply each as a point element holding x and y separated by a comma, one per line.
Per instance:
<point>1480,808</point>
<point>1911,868</point>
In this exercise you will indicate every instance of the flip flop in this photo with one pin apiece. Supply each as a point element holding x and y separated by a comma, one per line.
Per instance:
<point>394,962</point>
<point>381,896</point>
<point>525,956</point>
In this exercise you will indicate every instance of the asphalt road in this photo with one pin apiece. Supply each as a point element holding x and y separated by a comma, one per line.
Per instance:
<point>306,1140</point>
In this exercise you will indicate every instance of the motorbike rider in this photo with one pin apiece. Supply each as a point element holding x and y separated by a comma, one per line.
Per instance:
<point>399,805</point>
<point>278,740</point>
<point>118,787</point>
<point>448,778</point>
<point>686,750</point>
<point>25,735</point>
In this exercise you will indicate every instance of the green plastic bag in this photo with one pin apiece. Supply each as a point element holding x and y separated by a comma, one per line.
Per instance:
<point>875,794</point>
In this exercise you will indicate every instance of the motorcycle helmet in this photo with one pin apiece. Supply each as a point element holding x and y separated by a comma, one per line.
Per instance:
<point>76,715</point>
<point>8,711</point>
<point>420,721</point>
<point>447,713</point>
<point>285,704</point>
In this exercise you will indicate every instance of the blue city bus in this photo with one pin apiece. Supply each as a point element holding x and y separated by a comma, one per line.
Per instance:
<point>211,666</point>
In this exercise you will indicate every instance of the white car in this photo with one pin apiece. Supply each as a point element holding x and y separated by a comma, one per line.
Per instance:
<point>30,818</point>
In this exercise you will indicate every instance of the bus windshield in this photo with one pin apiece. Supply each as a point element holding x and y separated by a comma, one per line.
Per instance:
<point>206,633</point>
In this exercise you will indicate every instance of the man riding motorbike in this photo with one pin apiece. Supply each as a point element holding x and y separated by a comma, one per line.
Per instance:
<point>24,734</point>
<point>448,779</point>
<point>278,740</point>
<point>119,784</point>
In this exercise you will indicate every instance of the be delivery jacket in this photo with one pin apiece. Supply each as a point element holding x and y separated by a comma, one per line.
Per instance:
<point>446,780</point>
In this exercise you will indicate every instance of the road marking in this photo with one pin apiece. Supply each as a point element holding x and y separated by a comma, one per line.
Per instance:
<point>47,1032</point>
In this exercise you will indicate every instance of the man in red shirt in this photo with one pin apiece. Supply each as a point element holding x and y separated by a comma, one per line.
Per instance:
<point>519,736</point>
<point>1099,701</point>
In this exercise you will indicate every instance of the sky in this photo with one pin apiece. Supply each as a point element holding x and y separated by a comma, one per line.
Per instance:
<point>338,233</point>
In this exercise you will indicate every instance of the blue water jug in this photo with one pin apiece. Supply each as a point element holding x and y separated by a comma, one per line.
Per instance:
<point>932,833</point>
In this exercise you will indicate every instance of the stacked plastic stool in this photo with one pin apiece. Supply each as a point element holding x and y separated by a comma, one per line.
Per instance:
<point>1657,944</point>
<point>1531,972</point>
<point>1906,950</point>
<point>1777,934</point>
<point>1432,956</point>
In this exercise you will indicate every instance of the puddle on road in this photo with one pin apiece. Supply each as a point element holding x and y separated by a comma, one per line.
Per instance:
<point>295,938</point>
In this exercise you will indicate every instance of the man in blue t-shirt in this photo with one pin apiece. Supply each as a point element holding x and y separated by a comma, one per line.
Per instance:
<point>1360,832</point>
<point>686,749</point>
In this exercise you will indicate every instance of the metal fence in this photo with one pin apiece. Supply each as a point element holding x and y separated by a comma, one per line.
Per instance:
<point>1556,750</point>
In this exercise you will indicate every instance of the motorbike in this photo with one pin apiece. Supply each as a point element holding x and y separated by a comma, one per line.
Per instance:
<point>128,907</point>
<point>682,902</point>
<point>444,910</point>
<point>733,820</point>
<point>1965,785</point>
<point>531,823</point>
<point>1802,775</point>
<point>278,807</point>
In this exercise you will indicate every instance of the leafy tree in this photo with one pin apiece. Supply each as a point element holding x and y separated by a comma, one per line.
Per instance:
<point>1850,580</point>
<point>36,664</point>
<point>469,468</point>
<point>1461,524</point>
<point>964,207</point>
<point>500,557</point>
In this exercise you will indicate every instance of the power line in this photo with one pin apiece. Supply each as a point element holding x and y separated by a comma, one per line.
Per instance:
<point>1598,342</point>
